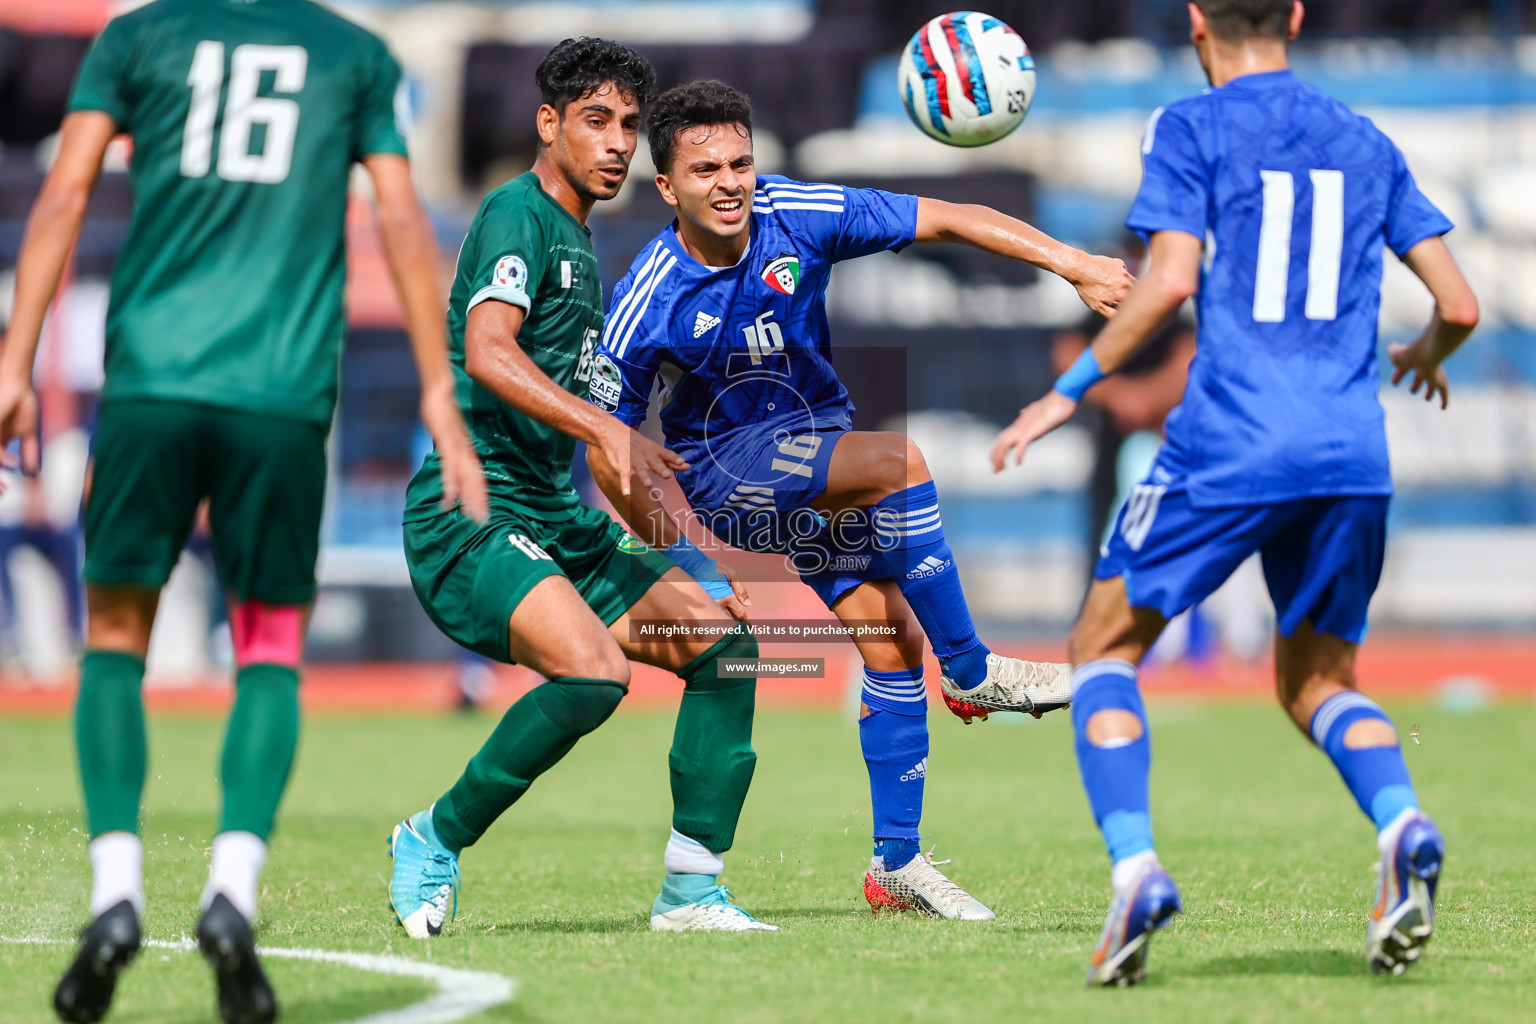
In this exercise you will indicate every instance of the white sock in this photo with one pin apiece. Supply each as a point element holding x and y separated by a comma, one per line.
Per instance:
<point>238,858</point>
<point>686,856</point>
<point>117,867</point>
<point>1127,868</point>
<point>1386,839</point>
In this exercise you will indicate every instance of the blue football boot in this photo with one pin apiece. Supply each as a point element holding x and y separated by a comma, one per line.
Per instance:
<point>424,889</point>
<point>1134,914</point>
<point>1404,916</point>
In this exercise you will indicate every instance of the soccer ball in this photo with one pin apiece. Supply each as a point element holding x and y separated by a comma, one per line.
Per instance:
<point>967,79</point>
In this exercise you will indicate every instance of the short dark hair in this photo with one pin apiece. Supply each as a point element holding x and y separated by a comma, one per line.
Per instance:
<point>690,106</point>
<point>1244,19</point>
<point>576,67</point>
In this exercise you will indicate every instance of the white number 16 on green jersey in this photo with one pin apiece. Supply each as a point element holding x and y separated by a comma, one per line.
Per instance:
<point>243,111</point>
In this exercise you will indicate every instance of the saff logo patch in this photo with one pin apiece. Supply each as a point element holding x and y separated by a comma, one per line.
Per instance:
<point>782,273</point>
<point>606,387</point>
<point>512,272</point>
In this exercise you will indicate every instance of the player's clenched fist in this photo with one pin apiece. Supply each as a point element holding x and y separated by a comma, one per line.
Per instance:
<point>1102,282</point>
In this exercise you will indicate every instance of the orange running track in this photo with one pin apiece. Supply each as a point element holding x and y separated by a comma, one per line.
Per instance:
<point>1394,667</point>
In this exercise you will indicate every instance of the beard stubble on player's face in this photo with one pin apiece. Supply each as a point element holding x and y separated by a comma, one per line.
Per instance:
<point>594,140</point>
<point>713,180</point>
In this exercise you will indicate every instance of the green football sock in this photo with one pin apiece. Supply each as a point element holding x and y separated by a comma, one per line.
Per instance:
<point>110,740</point>
<point>712,758</point>
<point>259,746</point>
<point>531,738</point>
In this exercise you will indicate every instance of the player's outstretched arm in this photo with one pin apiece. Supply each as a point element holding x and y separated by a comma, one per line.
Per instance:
<point>1101,281</point>
<point>1173,275</point>
<point>494,359</point>
<point>1455,317</point>
<point>411,249</point>
<point>52,228</point>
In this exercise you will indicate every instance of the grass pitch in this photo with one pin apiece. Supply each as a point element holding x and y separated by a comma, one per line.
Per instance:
<point>1274,860</point>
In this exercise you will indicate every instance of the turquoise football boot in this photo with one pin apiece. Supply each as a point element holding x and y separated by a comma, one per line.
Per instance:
<point>424,889</point>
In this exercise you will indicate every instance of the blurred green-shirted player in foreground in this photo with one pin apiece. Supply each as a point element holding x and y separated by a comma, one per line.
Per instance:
<point>223,347</point>
<point>547,582</point>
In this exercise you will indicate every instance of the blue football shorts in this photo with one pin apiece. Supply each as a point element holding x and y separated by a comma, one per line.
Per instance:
<point>1322,556</point>
<point>769,510</point>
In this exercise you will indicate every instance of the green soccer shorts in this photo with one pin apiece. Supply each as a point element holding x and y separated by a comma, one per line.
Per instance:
<point>156,460</point>
<point>470,576</point>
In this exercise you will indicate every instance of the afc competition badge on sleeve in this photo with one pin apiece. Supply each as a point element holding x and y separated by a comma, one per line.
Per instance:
<point>512,272</point>
<point>605,387</point>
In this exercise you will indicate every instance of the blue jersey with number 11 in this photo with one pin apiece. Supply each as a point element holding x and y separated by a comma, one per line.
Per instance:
<point>1294,197</point>
<point>746,349</point>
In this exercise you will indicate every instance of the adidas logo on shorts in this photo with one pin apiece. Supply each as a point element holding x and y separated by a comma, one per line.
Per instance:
<point>930,566</point>
<point>918,771</point>
<point>703,323</point>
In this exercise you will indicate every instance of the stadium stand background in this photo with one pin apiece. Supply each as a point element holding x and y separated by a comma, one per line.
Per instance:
<point>942,340</point>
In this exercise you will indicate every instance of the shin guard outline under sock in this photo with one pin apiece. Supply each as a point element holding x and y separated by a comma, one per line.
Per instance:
<point>532,737</point>
<point>712,760</point>
<point>1377,777</point>
<point>1115,774</point>
<point>259,746</point>
<point>910,538</point>
<point>894,740</point>
<point>111,740</point>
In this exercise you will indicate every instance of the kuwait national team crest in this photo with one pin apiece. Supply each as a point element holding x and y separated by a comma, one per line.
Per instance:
<point>783,273</point>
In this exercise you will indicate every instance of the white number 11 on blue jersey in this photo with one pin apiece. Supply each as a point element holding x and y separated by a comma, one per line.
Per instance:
<point>1272,277</point>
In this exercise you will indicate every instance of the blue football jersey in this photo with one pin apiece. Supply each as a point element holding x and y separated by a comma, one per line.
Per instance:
<point>1294,197</point>
<point>745,351</point>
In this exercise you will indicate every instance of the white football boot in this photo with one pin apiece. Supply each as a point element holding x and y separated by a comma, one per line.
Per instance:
<point>712,912</point>
<point>922,887</point>
<point>1029,687</point>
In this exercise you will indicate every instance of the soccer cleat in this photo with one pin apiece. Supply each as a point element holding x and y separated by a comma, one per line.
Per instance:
<point>922,887</point>
<point>712,912</point>
<point>1404,916</point>
<point>1134,914</point>
<point>1030,687</point>
<point>424,888</point>
<point>225,940</point>
<point>107,946</point>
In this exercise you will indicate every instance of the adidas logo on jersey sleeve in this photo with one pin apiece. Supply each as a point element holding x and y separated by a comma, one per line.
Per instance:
<point>703,323</point>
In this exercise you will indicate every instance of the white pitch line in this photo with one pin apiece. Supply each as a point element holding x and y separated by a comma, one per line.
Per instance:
<point>460,993</point>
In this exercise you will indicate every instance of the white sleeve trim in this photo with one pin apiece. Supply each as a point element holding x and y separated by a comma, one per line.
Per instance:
<point>499,293</point>
<point>1149,136</point>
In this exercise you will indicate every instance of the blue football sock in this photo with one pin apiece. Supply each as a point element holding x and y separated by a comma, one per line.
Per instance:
<point>1115,774</point>
<point>910,538</point>
<point>1376,776</point>
<point>896,854</point>
<point>894,738</point>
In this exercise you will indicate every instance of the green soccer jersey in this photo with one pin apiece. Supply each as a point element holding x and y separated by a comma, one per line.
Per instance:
<point>525,249</point>
<point>246,118</point>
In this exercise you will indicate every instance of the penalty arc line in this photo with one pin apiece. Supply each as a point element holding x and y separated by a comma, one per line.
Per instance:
<point>460,993</point>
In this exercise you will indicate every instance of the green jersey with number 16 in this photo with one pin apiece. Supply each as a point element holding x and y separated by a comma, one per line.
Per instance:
<point>246,117</point>
<point>527,250</point>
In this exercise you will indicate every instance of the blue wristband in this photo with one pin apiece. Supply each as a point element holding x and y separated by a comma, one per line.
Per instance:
<point>719,587</point>
<point>1081,376</point>
<point>700,566</point>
